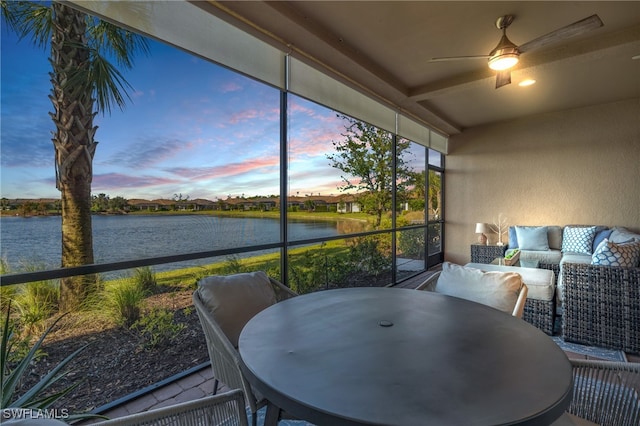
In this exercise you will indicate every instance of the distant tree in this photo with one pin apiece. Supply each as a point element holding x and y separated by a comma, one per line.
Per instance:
<point>42,208</point>
<point>100,203</point>
<point>365,156</point>
<point>417,194</point>
<point>180,197</point>
<point>84,82</point>
<point>118,204</point>
<point>435,189</point>
<point>310,205</point>
<point>26,208</point>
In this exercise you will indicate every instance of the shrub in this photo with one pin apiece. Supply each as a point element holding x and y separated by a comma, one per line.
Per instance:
<point>7,293</point>
<point>232,266</point>
<point>368,255</point>
<point>157,328</point>
<point>145,278</point>
<point>314,270</point>
<point>36,302</point>
<point>123,300</point>
<point>411,243</point>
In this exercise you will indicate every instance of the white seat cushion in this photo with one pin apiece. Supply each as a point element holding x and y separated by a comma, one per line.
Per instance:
<point>548,256</point>
<point>568,419</point>
<point>499,290</point>
<point>540,282</point>
<point>233,300</point>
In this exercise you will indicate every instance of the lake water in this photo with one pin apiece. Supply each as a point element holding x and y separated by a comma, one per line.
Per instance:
<point>36,241</point>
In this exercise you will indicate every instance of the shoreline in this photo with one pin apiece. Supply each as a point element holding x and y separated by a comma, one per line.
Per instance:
<point>330,216</point>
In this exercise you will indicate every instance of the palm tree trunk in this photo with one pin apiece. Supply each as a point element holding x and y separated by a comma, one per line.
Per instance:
<point>74,149</point>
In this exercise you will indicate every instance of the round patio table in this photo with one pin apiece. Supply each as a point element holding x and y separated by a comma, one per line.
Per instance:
<point>385,356</point>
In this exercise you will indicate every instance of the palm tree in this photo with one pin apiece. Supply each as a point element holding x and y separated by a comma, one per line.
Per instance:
<point>83,82</point>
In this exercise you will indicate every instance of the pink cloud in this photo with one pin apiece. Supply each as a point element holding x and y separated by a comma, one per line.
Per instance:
<point>245,115</point>
<point>115,181</point>
<point>231,87</point>
<point>226,170</point>
<point>313,142</point>
<point>271,114</point>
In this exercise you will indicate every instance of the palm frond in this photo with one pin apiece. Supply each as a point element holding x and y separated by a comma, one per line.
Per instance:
<point>103,79</point>
<point>110,40</point>
<point>29,19</point>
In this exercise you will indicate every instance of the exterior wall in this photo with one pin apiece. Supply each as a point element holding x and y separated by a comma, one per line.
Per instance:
<point>579,166</point>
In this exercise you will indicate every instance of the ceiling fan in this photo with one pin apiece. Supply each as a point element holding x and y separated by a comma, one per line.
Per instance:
<point>506,54</point>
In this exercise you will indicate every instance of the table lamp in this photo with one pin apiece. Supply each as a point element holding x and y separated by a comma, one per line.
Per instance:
<point>481,228</point>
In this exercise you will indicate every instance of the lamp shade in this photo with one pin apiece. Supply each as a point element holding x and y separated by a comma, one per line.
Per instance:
<point>481,228</point>
<point>504,56</point>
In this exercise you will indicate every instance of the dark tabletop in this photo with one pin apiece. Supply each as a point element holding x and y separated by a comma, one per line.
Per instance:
<point>390,356</point>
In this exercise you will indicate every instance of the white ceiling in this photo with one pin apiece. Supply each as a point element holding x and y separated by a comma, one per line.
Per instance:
<point>386,47</point>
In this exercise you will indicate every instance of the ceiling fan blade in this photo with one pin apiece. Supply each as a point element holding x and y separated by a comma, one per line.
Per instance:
<point>458,58</point>
<point>571,30</point>
<point>503,78</point>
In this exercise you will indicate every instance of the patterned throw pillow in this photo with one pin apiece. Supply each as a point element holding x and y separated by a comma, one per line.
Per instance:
<point>578,239</point>
<point>613,254</point>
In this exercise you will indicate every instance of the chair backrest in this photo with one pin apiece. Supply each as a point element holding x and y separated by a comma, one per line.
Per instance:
<point>226,409</point>
<point>232,300</point>
<point>224,305</point>
<point>502,290</point>
<point>606,392</point>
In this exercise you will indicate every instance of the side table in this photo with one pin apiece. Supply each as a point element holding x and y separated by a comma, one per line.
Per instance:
<point>481,253</point>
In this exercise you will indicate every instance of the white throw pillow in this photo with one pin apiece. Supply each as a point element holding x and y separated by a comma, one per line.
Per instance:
<point>234,299</point>
<point>499,290</point>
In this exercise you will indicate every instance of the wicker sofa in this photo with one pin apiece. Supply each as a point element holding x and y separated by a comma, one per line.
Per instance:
<point>599,304</point>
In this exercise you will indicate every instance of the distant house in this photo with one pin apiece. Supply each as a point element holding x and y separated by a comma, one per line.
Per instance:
<point>200,204</point>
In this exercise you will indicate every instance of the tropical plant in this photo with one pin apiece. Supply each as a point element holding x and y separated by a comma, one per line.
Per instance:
<point>366,158</point>
<point>411,243</point>
<point>371,255</point>
<point>157,328</point>
<point>13,370</point>
<point>6,291</point>
<point>36,302</point>
<point>145,278</point>
<point>124,300</point>
<point>84,83</point>
<point>232,265</point>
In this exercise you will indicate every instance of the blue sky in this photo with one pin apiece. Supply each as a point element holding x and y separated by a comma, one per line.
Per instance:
<point>192,128</point>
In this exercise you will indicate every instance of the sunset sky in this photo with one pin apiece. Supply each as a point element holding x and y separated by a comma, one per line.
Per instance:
<point>191,128</point>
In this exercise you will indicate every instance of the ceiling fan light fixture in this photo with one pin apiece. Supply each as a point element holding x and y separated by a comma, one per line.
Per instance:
<point>503,62</point>
<point>505,55</point>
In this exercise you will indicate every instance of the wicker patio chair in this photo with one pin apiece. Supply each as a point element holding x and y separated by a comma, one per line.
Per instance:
<point>224,304</point>
<point>601,306</point>
<point>605,393</point>
<point>430,284</point>
<point>225,409</point>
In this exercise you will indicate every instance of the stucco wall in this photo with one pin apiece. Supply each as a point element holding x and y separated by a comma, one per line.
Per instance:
<point>579,166</point>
